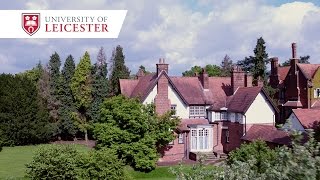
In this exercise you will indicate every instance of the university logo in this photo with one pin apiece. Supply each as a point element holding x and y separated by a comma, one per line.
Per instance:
<point>30,22</point>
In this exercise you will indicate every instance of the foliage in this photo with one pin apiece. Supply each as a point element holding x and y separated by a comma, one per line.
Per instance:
<point>101,164</point>
<point>256,64</point>
<point>301,161</point>
<point>134,131</point>
<point>211,69</point>
<point>67,162</point>
<point>81,87</point>
<point>198,171</point>
<point>257,150</point>
<point>144,70</point>
<point>21,118</point>
<point>226,66</point>
<point>66,125</point>
<point>34,74</point>
<point>99,84</point>
<point>54,162</point>
<point>54,84</point>
<point>303,60</point>
<point>118,71</point>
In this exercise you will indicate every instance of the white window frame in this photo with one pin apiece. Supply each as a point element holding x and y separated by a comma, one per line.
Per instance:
<point>174,107</point>
<point>217,115</point>
<point>201,139</point>
<point>197,111</point>
<point>316,93</point>
<point>180,138</point>
<point>227,136</point>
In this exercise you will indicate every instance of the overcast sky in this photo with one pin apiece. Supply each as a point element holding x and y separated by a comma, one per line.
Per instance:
<point>184,32</point>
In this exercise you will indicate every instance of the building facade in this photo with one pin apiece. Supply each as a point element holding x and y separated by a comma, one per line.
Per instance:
<point>215,112</point>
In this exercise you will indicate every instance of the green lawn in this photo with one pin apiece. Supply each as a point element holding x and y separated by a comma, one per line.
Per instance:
<point>13,160</point>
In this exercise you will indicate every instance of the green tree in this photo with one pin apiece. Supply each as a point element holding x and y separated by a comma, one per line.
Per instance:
<point>226,66</point>
<point>118,71</point>
<point>256,64</point>
<point>21,118</point>
<point>260,60</point>
<point>303,60</point>
<point>144,69</point>
<point>257,150</point>
<point>99,85</point>
<point>194,70</point>
<point>34,74</point>
<point>54,86</point>
<point>66,126</point>
<point>134,131</point>
<point>81,87</point>
<point>211,69</point>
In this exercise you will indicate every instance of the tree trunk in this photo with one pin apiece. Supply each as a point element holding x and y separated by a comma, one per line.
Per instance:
<point>86,136</point>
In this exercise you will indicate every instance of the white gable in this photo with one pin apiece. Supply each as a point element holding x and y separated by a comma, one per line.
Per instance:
<point>260,111</point>
<point>293,123</point>
<point>150,98</point>
<point>182,110</point>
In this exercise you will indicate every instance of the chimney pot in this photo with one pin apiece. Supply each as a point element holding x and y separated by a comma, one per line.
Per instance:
<point>294,50</point>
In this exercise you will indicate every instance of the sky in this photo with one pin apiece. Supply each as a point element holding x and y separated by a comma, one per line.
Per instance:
<point>183,32</point>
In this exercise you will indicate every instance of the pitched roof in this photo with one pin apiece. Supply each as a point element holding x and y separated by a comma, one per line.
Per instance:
<point>143,86</point>
<point>308,117</point>
<point>293,104</point>
<point>283,71</point>
<point>185,122</point>
<point>243,98</point>
<point>308,70</point>
<point>127,86</point>
<point>267,133</point>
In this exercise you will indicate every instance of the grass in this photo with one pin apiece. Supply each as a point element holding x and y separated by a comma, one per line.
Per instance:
<point>13,160</point>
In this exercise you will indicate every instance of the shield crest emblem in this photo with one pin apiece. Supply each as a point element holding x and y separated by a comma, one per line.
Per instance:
<point>30,22</point>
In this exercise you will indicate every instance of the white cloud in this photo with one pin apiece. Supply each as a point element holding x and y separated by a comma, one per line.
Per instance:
<point>185,34</point>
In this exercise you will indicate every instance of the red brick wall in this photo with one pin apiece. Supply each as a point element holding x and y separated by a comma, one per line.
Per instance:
<point>174,152</point>
<point>237,80</point>
<point>219,136</point>
<point>162,102</point>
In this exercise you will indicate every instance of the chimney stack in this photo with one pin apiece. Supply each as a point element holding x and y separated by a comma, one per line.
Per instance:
<point>294,60</point>
<point>237,78</point>
<point>274,77</point>
<point>204,79</point>
<point>140,73</point>
<point>162,66</point>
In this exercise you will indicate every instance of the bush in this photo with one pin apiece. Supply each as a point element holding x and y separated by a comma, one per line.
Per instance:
<point>66,162</point>
<point>101,164</point>
<point>257,150</point>
<point>54,162</point>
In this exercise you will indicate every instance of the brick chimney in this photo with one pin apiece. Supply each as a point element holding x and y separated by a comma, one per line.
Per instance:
<point>204,79</point>
<point>248,80</point>
<point>274,76</point>
<point>162,101</point>
<point>294,60</point>
<point>140,73</point>
<point>237,78</point>
<point>162,66</point>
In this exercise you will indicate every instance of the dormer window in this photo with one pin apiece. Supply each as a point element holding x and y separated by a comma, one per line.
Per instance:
<point>197,111</point>
<point>224,116</point>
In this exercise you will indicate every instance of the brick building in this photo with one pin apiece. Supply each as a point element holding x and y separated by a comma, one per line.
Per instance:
<point>298,85</point>
<point>215,112</point>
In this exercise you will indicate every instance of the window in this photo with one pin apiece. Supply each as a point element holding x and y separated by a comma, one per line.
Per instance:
<point>180,138</point>
<point>174,108</point>
<point>317,93</point>
<point>197,111</point>
<point>227,136</point>
<point>172,142</point>
<point>217,116</point>
<point>238,117</point>
<point>224,116</point>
